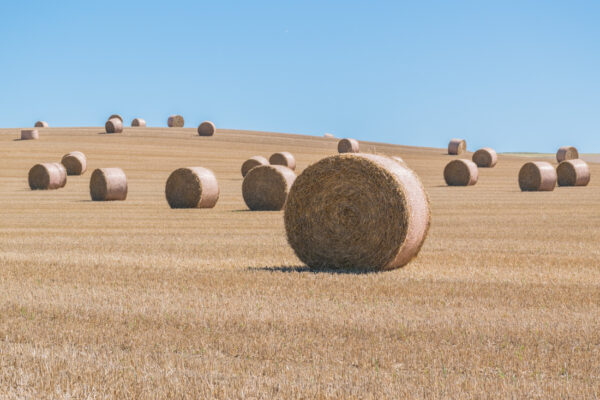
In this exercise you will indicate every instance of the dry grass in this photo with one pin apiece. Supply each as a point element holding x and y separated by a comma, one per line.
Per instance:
<point>135,300</point>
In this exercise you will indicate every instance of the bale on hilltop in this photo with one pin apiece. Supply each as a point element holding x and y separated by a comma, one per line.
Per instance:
<point>348,145</point>
<point>573,173</point>
<point>47,176</point>
<point>41,124</point>
<point>108,184</point>
<point>192,187</point>
<point>74,162</point>
<point>117,116</point>
<point>457,146</point>
<point>283,158</point>
<point>461,173</point>
<point>252,162</point>
<point>138,122</point>
<point>30,134</point>
<point>485,158</point>
<point>357,212</point>
<point>567,153</point>
<point>114,125</point>
<point>266,187</point>
<point>328,135</point>
<point>175,121</point>
<point>537,176</point>
<point>207,128</point>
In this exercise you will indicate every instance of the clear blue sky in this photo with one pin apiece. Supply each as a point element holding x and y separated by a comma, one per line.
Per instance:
<point>515,75</point>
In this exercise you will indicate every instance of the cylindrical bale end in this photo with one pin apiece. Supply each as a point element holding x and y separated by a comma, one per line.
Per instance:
<point>47,176</point>
<point>457,146</point>
<point>175,121</point>
<point>573,173</point>
<point>206,128</point>
<point>74,162</point>
<point>461,173</point>
<point>138,123</point>
<point>567,153</point>
<point>114,125</point>
<point>253,162</point>
<point>108,184</point>
<point>41,124</point>
<point>266,187</point>
<point>30,134</point>
<point>283,158</point>
<point>192,187</point>
<point>348,145</point>
<point>537,176</point>
<point>485,158</point>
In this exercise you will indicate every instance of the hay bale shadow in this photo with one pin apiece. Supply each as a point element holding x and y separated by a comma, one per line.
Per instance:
<point>305,269</point>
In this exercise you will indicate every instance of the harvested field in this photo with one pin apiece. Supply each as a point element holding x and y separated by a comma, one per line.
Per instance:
<point>133,299</point>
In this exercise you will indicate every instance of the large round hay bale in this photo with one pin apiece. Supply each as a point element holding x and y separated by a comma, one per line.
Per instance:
<point>117,116</point>
<point>537,176</point>
<point>74,162</point>
<point>357,212</point>
<point>138,122</point>
<point>206,128</point>
<point>567,153</point>
<point>192,187</point>
<point>175,121</point>
<point>41,124</point>
<point>461,173</point>
<point>253,162</point>
<point>573,173</point>
<point>485,158</point>
<point>328,135</point>
<point>283,158</point>
<point>47,176</point>
<point>348,146</point>
<point>30,134</point>
<point>108,184</point>
<point>266,187</point>
<point>114,125</point>
<point>457,146</point>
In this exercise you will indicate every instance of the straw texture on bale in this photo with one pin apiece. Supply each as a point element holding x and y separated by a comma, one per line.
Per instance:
<point>117,116</point>
<point>175,121</point>
<point>253,162</point>
<point>108,184</point>
<point>138,122</point>
<point>266,187</point>
<point>485,158</point>
<point>114,125</point>
<point>573,173</point>
<point>47,176</point>
<point>567,153</point>
<point>461,173</point>
<point>192,187</point>
<point>399,160</point>
<point>357,212</point>
<point>206,128</point>
<point>283,158</point>
<point>41,124</point>
<point>348,146</point>
<point>457,146</point>
<point>74,162</point>
<point>30,134</point>
<point>537,176</point>
<point>328,135</point>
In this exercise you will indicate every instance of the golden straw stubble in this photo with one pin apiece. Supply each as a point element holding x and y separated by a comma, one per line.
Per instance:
<point>47,176</point>
<point>114,125</point>
<point>537,176</point>
<point>107,184</point>
<point>266,187</point>
<point>566,153</point>
<point>192,187</point>
<point>284,158</point>
<point>485,157</point>
<point>207,128</point>
<point>461,173</point>
<point>75,163</point>
<point>252,162</point>
<point>360,212</point>
<point>348,145</point>
<point>573,173</point>
<point>457,146</point>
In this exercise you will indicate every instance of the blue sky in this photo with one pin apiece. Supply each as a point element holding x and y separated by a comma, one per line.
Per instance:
<point>514,75</point>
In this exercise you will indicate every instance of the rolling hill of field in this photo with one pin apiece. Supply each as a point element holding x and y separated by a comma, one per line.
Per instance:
<point>135,300</point>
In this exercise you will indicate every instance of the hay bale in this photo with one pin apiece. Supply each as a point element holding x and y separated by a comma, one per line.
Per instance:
<point>114,125</point>
<point>457,146</point>
<point>537,176</point>
<point>47,176</point>
<point>461,173</point>
<point>192,187</point>
<point>108,184</point>
<point>567,153</point>
<point>348,146</point>
<point>41,124</point>
<point>206,128</point>
<point>357,212</point>
<point>138,122</point>
<point>253,162</point>
<point>328,135</point>
<point>30,134</point>
<point>573,173</point>
<point>117,116</point>
<point>283,158</point>
<point>266,187</point>
<point>175,121</point>
<point>485,158</point>
<point>74,162</point>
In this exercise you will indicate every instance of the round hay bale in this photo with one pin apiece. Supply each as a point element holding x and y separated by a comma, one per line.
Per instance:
<point>328,135</point>
<point>206,128</point>
<point>485,158</point>
<point>461,173</point>
<point>47,176</point>
<point>357,212</point>
<point>266,187</point>
<point>567,153</point>
<point>30,134</point>
<point>192,187</point>
<point>348,146</point>
<point>537,176</point>
<point>253,162</point>
<point>573,173</point>
<point>114,125</point>
<point>175,121</point>
<point>283,158</point>
<point>74,162</point>
<point>138,122</point>
<point>117,116</point>
<point>457,146</point>
<point>108,184</point>
<point>41,124</point>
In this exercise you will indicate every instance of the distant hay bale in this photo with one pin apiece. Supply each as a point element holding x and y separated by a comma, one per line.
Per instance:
<point>485,158</point>
<point>114,125</point>
<point>348,146</point>
<point>192,187</point>
<point>266,187</point>
<point>74,162</point>
<point>461,173</point>
<point>117,116</point>
<point>283,158</point>
<point>567,153</point>
<point>573,173</point>
<point>537,176</point>
<point>47,176</point>
<point>41,124</point>
<point>175,121</point>
<point>108,184</point>
<point>357,212</point>
<point>457,146</point>
<point>206,128</point>
<point>328,135</point>
<point>138,122</point>
<point>30,134</point>
<point>253,162</point>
